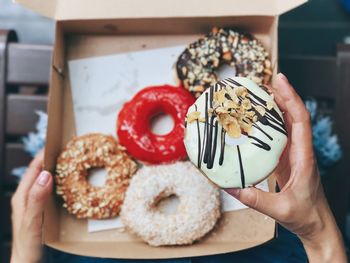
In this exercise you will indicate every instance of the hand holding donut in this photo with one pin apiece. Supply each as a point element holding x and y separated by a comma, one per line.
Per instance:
<point>27,207</point>
<point>301,205</point>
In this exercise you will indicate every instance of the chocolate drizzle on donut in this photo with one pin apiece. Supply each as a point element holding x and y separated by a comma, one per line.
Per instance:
<point>241,167</point>
<point>207,148</point>
<point>222,152</point>
<point>211,142</point>
<point>271,118</point>
<point>264,132</point>
<point>260,143</point>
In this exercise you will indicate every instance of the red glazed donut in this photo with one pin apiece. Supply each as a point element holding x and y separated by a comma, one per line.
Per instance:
<point>134,126</point>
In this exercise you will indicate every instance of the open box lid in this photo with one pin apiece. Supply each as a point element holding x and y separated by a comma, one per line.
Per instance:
<point>114,9</point>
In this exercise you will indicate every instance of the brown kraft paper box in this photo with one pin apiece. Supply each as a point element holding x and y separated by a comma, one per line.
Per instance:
<point>88,28</point>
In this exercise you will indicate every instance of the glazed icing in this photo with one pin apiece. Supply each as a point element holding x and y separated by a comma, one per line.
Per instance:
<point>236,162</point>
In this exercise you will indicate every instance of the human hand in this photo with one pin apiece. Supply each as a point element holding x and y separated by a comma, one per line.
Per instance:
<point>27,207</point>
<point>301,205</point>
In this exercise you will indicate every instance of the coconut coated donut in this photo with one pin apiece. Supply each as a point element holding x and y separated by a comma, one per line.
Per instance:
<point>196,214</point>
<point>235,133</point>
<point>197,64</point>
<point>86,152</point>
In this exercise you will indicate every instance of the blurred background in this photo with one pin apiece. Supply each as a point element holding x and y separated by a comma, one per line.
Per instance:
<point>314,52</point>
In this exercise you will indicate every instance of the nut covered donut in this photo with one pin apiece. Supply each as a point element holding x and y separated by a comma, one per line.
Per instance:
<point>196,214</point>
<point>86,152</point>
<point>196,66</point>
<point>134,124</point>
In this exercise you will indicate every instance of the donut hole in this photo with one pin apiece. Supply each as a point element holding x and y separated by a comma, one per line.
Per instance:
<point>161,123</point>
<point>225,71</point>
<point>167,203</point>
<point>97,176</point>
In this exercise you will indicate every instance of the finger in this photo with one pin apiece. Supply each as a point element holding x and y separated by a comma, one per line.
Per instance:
<point>298,117</point>
<point>293,104</point>
<point>279,100</point>
<point>301,144</point>
<point>282,171</point>
<point>31,174</point>
<point>264,202</point>
<point>281,104</point>
<point>38,194</point>
<point>288,122</point>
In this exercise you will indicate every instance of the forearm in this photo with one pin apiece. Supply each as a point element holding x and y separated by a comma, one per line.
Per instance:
<point>326,243</point>
<point>330,249</point>
<point>17,259</point>
<point>33,255</point>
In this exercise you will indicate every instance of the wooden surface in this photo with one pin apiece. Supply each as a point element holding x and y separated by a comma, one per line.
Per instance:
<point>15,156</point>
<point>21,117</point>
<point>28,64</point>
<point>24,74</point>
<point>311,75</point>
<point>5,38</point>
<point>342,109</point>
<point>3,41</point>
<point>6,215</point>
<point>314,28</point>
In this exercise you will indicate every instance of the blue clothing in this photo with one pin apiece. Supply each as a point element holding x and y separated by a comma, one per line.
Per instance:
<point>287,248</point>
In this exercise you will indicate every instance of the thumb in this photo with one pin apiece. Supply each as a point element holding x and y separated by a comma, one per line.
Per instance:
<point>38,194</point>
<point>264,202</point>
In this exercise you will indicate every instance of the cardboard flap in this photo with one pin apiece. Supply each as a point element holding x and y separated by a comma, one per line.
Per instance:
<point>107,9</point>
<point>46,8</point>
<point>283,6</point>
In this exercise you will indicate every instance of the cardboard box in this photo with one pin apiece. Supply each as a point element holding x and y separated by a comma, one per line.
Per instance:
<point>87,28</point>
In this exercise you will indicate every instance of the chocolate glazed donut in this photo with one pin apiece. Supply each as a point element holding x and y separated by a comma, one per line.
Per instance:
<point>197,64</point>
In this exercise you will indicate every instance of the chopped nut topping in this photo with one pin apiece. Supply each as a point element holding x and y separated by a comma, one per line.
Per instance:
<point>234,110</point>
<point>261,110</point>
<point>227,56</point>
<point>198,88</point>
<point>82,153</point>
<point>193,116</point>
<point>184,70</point>
<point>246,104</point>
<point>197,65</point>
<point>270,104</point>
<point>233,129</point>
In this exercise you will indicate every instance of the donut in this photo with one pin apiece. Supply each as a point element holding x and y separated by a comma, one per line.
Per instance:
<point>235,133</point>
<point>197,64</point>
<point>134,119</point>
<point>81,154</point>
<point>196,214</point>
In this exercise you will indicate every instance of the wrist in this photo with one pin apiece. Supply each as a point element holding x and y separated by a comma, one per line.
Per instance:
<point>17,258</point>
<point>14,256</point>
<point>327,247</point>
<point>323,242</point>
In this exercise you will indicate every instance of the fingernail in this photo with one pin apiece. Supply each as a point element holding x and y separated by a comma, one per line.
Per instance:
<point>43,178</point>
<point>233,191</point>
<point>282,76</point>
